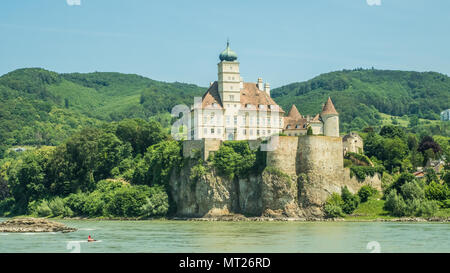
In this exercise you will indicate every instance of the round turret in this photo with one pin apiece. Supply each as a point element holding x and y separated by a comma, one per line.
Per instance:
<point>330,118</point>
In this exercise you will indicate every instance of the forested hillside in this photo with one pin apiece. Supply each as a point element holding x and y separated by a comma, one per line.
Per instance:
<point>360,95</point>
<point>39,107</point>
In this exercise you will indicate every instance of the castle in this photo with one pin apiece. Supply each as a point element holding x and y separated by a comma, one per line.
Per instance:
<point>313,161</point>
<point>232,109</point>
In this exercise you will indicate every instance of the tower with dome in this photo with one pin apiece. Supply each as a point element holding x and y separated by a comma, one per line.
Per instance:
<point>232,109</point>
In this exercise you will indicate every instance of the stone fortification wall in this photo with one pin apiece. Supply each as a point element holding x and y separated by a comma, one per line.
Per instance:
<point>284,157</point>
<point>300,175</point>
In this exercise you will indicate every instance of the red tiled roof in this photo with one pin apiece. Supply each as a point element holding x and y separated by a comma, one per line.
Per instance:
<point>250,94</point>
<point>328,108</point>
<point>294,113</point>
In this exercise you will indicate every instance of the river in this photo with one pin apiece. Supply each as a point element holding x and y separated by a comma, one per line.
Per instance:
<point>192,236</point>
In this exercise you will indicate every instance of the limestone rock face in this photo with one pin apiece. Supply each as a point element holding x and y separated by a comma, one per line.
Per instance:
<point>33,225</point>
<point>272,193</point>
<point>208,195</point>
<point>279,194</point>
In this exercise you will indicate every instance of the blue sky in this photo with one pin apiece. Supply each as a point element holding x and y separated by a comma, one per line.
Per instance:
<point>280,41</point>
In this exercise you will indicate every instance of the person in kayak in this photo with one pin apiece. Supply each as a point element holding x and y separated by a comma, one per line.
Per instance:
<point>90,239</point>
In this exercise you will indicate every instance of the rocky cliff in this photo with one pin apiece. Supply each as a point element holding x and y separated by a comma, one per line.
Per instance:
<point>271,193</point>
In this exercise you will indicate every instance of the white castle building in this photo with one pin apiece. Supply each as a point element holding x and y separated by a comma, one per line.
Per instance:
<point>232,109</point>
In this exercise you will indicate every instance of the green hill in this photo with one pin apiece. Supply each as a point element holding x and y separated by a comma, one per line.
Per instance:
<point>40,107</point>
<point>360,95</point>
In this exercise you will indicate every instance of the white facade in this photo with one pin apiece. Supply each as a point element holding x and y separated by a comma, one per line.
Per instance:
<point>234,110</point>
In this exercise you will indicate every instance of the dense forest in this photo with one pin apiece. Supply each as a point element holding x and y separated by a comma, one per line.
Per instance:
<point>39,107</point>
<point>361,95</point>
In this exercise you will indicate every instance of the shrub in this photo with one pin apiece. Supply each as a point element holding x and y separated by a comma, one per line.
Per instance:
<point>399,181</point>
<point>347,163</point>
<point>156,204</point>
<point>197,171</point>
<point>446,178</point>
<point>360,159</point>
<point>333,211</point>
<point>40,208</point>
<point>76,202</point>
<point>333,206</point>
<point>395,204</point>
<point>234,158</point>
<point>421,207</point>
<point>6,206</point>
<point>127,201</point>
<point>412,191</point>
<point>446,203</point>
<point>94,204</point>
<point>361,172</point>
<point>365,192</point>
<point>435,191</point>
<point>351,201</point>
<point>57,206</point>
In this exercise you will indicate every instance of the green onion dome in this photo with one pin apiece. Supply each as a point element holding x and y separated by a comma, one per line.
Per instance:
<point>228,54</point>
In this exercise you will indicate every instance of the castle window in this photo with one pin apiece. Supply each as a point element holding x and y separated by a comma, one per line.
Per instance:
<point>257,132</point>
<point>204,119</point>
<point>261,106</point>
<point>268,121</point>
<point>212,130</point>
<point>219,131</point>
<point>297,126</point>
<point>235,120</point>
<point>214,104</point>
<point>232,97</point>
<point>251,132</point>
<point>205,131</point>
<point>289,127</point>
<point>231,87</point>
<point>244,132</point>
<point>228,120</point>
<point>270,132</point>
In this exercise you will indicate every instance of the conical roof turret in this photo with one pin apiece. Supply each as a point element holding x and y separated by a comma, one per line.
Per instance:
<point>328,108</point>
<point>294,113</point>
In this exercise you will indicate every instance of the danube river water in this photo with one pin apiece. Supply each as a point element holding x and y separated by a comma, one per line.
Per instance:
<point>193,236</point>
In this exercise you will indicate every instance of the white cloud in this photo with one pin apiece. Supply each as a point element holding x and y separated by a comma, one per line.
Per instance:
<point>373,2</point>
<point>78,2</point>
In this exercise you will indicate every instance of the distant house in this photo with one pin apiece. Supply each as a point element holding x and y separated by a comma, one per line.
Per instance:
<point>19,150</point>
<point>353,143</point>
<point>445,115</point>
<point>436,165</point>
<point>419,174</point>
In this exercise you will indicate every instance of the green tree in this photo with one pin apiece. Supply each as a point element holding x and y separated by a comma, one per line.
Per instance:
<point>351,201</point>
<point>365,192</point>
<point>140,133</point>
<point>333,206</point>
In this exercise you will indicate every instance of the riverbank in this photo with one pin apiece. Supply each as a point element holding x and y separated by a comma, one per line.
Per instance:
<point>242,218</point>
